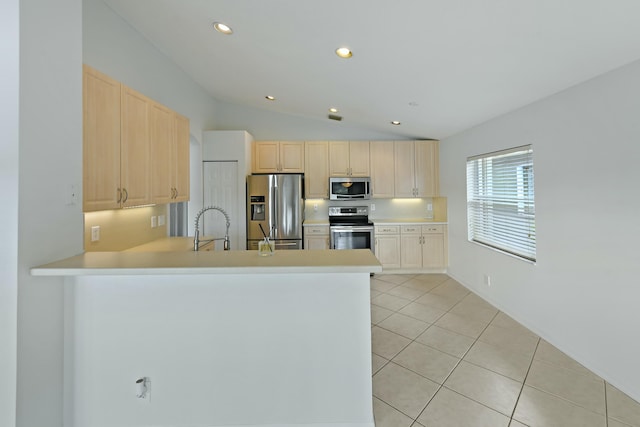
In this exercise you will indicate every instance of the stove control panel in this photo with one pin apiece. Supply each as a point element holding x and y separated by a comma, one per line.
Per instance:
<point>348,211</point>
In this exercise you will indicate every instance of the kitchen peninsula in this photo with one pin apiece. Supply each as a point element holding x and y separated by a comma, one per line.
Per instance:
<point>225,338</point>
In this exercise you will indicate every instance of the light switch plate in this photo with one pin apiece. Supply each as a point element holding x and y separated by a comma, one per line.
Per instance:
<point>154,221</point>
<point>161,220</point>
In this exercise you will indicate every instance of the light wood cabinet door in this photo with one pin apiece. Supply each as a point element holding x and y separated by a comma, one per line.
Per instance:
<point>388,250</point>
<point>427,170</point>
<point>100,141</point>
<point>411,247</point>
<point>349,158</point>
<point>265,156</point>
<point>404,166</point>
<point>416,168</point>
<point>382,169</point>
<point>135,164</point>
<point>434,246</point>
<point>278,157</point>
<point>181,169</point>
<point>316,170</point>
<point>291,155</point>
<point>359,158</point>
<point>339,158</point>
<point>162,150</point>
<point>316,237</point>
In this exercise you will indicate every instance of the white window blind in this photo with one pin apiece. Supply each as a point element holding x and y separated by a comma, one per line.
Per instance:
<point>500,201</point>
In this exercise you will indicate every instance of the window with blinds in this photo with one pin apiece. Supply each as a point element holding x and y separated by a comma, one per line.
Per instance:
<point>500,201</point>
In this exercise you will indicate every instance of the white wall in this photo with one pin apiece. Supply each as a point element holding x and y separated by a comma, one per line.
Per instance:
<point>222,350</point>
<point>49,228</point>
<point>9,144</point>
<point>582,295</point>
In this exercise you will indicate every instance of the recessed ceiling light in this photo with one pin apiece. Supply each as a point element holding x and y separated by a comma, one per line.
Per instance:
<point>222,28</point>
<point>344,52</point>
<point>270,98</point>
<point>333,110</point>
<point>395,123</point>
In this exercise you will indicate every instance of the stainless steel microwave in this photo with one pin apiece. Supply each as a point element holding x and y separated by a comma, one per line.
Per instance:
<point>349,188</point>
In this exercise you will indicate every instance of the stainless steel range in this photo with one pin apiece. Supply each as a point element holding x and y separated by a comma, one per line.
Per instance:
<point>350,228</point>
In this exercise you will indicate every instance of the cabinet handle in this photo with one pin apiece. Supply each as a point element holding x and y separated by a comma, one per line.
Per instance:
<point>126,195</point>
<point>119,195</point>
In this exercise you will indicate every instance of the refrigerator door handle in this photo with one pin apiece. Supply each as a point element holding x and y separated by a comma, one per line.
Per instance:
<point>276,214</point>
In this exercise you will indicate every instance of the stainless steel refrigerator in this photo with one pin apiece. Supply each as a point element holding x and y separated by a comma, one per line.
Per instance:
<point>276,203</point>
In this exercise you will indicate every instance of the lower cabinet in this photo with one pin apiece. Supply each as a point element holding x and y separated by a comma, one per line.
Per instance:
<point>423,246</point>
<point>388,245</point>
<point>316,237</point>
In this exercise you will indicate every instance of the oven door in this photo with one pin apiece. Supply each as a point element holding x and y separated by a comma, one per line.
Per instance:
<point>351,237</point>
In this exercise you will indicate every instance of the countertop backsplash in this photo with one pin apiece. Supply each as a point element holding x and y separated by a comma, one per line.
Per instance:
<point>318,209</point>
<point>124,228</point>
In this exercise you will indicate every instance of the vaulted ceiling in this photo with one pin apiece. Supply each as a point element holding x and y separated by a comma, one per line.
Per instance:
<point>437,66</point>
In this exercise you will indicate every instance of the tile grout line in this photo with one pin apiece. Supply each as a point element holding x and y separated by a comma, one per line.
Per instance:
<point>606,405</point>
<point>524,380</point>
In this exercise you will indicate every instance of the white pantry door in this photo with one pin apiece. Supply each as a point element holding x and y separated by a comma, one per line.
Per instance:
<point>221,189</point>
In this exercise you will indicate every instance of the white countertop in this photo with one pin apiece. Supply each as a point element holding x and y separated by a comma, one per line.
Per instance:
<point>310,222</point>
<point>209,262</point>
<point>383,221</point>
<point>402,221</point>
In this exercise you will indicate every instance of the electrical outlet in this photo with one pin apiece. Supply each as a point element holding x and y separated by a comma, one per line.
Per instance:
<point>95,233</point>
<point>315,207</point>
<point>143,389</point>
<point>373,207</point>
<point>154,221</point>
<point>161,220</point>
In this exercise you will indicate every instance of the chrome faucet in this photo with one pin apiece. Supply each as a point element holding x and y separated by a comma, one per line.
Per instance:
<point>196,239</point>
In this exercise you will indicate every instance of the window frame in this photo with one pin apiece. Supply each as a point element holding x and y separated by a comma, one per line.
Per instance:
<point>501,201</point>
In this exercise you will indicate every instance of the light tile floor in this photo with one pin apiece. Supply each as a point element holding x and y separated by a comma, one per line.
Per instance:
<point>444,357</point>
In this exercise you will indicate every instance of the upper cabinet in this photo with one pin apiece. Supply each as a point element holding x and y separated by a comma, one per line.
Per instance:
<point>278,157</point>
<point>101,141</point>
<point>162,135</point>
<point>382,169</point>
<point>416,168</point>
<point>169,155</point>
<point>316,169</point>
<point>181,160</point>
<point>349,158</point>
<point>130,147</point>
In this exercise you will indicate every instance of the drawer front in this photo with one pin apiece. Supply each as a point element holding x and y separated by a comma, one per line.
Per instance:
<point>387,229</point>
<point>317,231</point>
<point>411,229</point>
<point>433,229</point>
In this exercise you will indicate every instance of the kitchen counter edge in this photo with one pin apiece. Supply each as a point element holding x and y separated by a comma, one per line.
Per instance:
<point>218,262</point>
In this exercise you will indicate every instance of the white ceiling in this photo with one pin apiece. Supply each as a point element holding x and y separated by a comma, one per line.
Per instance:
<point>461,61</point>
